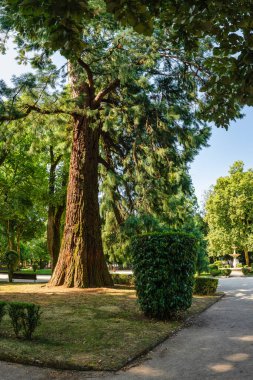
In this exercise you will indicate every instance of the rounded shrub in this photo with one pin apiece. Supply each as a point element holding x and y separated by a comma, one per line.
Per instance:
<point>245,270</point>
<point>215,272</point>
<point>164,266</point>
<point>226,272</point>
<point>213,267</point>
<point>205,285</point>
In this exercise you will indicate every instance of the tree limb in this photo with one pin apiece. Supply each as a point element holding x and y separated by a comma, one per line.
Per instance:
<point>112,86</point>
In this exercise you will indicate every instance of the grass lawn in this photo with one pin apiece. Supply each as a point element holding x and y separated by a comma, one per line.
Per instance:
<point>98,329</point>
<point>38,271</point>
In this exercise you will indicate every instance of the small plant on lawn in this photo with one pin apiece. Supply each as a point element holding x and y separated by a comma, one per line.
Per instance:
<point>205,286</point>
<point>2,310</point>
<point>25,317</point>
<point>11,260</point>
<point>164,266</point>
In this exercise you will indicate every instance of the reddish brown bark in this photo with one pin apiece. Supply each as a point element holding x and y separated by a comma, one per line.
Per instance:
<point>81,261</point>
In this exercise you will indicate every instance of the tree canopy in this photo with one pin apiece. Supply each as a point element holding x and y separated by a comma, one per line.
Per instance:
<point>229,212</point>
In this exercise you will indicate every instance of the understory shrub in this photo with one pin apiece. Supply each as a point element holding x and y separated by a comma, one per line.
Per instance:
<point>123,279</point>
<point>215,272</point>
<point>213,267</point>
<point>205,285</point>
<point>239,265</point>
<point>218,263</point>
<point>245,270</point>
<point>2,310</point>
<point>25,317</point>
<point>226,272</point>
<point>164,266</point>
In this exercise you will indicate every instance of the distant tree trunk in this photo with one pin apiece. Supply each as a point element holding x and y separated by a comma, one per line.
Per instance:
<point>246,254</point>
<point>81,261</point>
<point>54,213</point>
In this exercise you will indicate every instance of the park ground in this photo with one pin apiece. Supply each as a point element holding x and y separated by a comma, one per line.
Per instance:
<point>217,344</point>
<point>100,329</point>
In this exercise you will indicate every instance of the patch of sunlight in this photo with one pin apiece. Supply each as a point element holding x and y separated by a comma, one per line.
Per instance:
<point>221,367</point>
<point>245,338</point>
<point>148,372</point>
<point>110,308</point>
<point>239,357</point>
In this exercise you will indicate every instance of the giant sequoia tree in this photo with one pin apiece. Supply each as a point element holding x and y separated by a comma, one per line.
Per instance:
<point>106,63</point>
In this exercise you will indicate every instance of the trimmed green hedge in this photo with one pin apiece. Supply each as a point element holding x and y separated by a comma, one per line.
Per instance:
<point>123,279</point>
<point>164,266</point>
<point>226,271</point>
<point>215,272</point>
<point>205,285</point>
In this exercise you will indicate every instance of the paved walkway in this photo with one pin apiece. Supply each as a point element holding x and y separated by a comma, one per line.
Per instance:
<point>218,345</point>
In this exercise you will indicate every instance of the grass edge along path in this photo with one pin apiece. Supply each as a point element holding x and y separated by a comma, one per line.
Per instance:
<point>87,329</point>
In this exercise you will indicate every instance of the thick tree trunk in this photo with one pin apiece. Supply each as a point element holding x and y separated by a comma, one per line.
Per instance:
<point>246,254</point>
<point>81,261</point>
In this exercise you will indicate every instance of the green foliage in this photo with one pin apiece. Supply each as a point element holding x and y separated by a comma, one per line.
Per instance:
<point>213,266</point>
<point>239,265</point>
<point>245,270</point>
<point>218,263</point>
<point>215,272</point>
<point>12,261</point>
<point>226,272</point>
<point>123,279</point>
<point>229,212</point>
<point>25,317</point>
<point>164,265</point>
<point>205,286</point>
<point>2,310</point>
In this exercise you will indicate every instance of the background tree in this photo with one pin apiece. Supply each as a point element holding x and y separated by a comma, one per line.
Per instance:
<point>229,212</point>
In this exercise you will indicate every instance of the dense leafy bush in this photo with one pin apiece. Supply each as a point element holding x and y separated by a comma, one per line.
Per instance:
<point>205,285</point>
<point>215,272</point>
<point>25,317</point>
<point>239,265</point>
<point>226,271</point>
<point>164,266</point>
<point>218,263</point>
<point>213,267</point>
<point>2,310</point>
<point>123,279</point>
<point>245,270</point>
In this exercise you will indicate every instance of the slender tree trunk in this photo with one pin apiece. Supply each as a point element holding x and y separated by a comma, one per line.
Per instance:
<point>54,213</point>
<point>54,233</point>
<point>81,261</point>
<point>246,254</point>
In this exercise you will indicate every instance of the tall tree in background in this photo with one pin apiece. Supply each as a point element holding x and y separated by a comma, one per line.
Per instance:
<point>229,212</point>
<point>103,60</point>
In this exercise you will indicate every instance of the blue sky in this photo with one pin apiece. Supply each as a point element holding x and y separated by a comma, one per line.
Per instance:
<point>225,148</point>
<point>212,162</point>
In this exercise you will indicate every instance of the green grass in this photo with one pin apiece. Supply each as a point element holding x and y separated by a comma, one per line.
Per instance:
<point>39,271</point>
<point>85,328</point>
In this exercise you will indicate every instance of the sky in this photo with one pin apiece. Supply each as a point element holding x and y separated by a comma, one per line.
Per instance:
<point>225,147</point>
